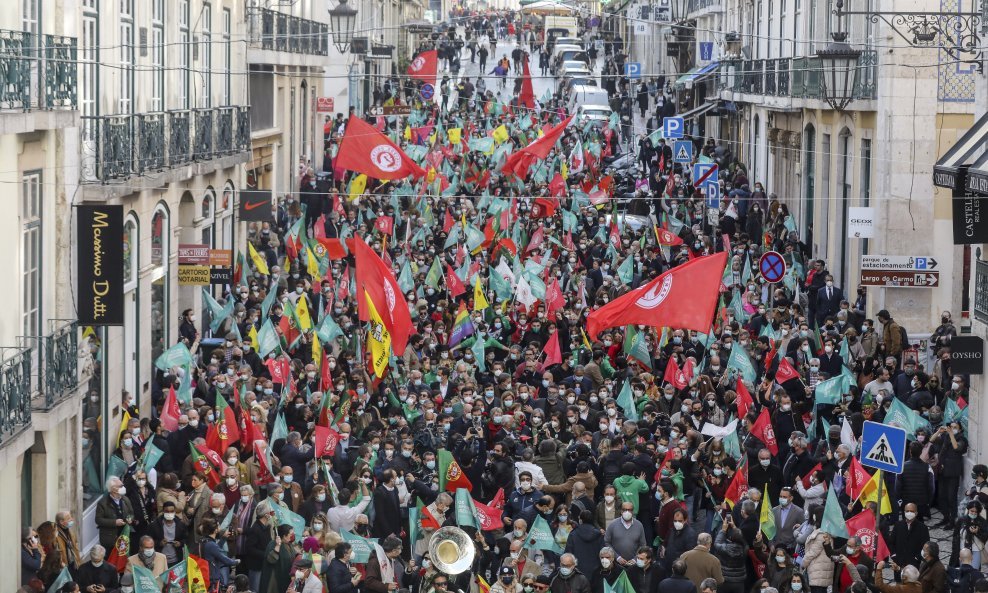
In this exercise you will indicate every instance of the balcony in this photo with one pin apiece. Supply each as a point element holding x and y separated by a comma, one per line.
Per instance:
<point>38,81</point>
<point>273,31</point>
<point>15,393</point>
<point>794,78</point>
<point>60,364</point>
<point>120,147</point>
<point>698,6</point>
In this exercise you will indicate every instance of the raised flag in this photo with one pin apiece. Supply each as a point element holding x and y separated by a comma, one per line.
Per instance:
<point>806,479</point>
<point>738,485</point>
<point>462,326</point>
<point>741,362</point>
<point>766,520</point>
<point>454,285</point>
<point>170,412</point>
<point>674,375</point>
<point>830,391</point>
<point>224,432</point>
<point>526,97</point>
<point>488,516</point>
<point>121,550</point>
<point>385,224</point>
<point>362,547</point>
<point>627,402</point>
<point>144,580</point>
<point>785,372</point>
<point>551,352</point>
<point>869,493</point>
<point>451,476</point>
<point>479,300</point>
<point>376,279</point>
<point>554,298</point>
<point>378,340</point>
<point>366,150</point>
<point>519,162</point>
<point>259,262</point>
<point>683,297</point>
<point>325,441</point>
<point>856,479</point>
<point>862,527</point>
<point>667,237</point>
<point>833,517</point>
<point>744,400</point>
<point>540,537</point>
<point>424,67</point>
<point>762,428</point>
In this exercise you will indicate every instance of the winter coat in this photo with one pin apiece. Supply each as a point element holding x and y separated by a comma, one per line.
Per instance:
<point>817,564</point>
<point>585,543</point>
<point>733,557</point>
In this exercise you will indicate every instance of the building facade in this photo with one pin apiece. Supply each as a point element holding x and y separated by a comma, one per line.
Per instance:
<point>44,362</point>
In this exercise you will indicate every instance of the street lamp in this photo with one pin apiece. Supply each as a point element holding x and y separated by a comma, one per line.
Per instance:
<point>680,8</point>
<point>343,20</point>
<point>839,66</point>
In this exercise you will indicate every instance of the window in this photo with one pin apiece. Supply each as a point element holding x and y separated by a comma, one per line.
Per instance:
<point>159,283</point>
<point>847,178</point>
<point>304,101</point>
<point>87,59</point>
<point>206,56</point>
<point>126,66</point>
<point>29,17</point>
<point>130,251</point>
<point>865,181</point>
<point>31,210</point>
<point>157,55</point>
<point>184,52</point>
<point>809,160</point>
<point>227,56</point>
<point>821,230</point>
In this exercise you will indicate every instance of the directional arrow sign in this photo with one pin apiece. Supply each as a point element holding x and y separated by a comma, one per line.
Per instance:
<point>899,279</point>
<point>898,262</point>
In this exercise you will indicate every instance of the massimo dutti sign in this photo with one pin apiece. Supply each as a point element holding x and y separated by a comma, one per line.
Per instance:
<point>99,237</point>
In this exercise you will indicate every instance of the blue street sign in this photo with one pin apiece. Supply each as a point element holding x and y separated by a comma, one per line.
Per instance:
<point>883,447</point>
<point>427,91</point>
<point>706,50</point>
<point>712,191</point>
<point>772,266</point>
<point>633,70</point>
<point>682,151</point>
<point>701,169</point>
<point>672,127</point>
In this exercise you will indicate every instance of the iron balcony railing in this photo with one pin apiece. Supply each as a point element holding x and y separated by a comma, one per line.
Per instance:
<point>798,78</point>
<point>15,392</point>
<point>60,364</point>
<point>37,72</point>
<point>981,289</point>
<point>116,147</point>
<point>283,32</point>
<point>696,5</point>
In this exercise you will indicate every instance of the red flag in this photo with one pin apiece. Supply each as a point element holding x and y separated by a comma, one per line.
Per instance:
<point>684,297</point>
<point>764,431</point>
<point>453,283</point>
<point>319,230</point>
<point>424,66</point>
<point>857,477</point>
<point>427,519</point>
<point>326,440</point>
<point>326,374</point>
<point>489,517</point>
<point>206,461</point>
<point>806,478</point>
<point>553,298</point>
<point>527,95</point>
<point>744,400</point>
<point>688,370</point>
<point>276,369</point>
<point>366,150</point>
<point>544,207</point>
<point>568,242</point>
<point>170,413</point>
<point>615,235</point>
<point>557,186</point>
<point>448,222</point>
<point>248,432</point>
<point>669,238</point>
<point>385,224</point>
<point>333,247</point>
<point>519,162</point>
<point>498,501</point>
<point>553,355</point>
<point>785,372</point>
<point>862,526</point>
<point>377,279</point>
<point>672,373</point>
<point>224,431</point>
<point>599,197</point>
<point>738,486</point>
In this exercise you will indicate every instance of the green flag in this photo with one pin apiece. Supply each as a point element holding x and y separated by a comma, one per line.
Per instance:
<point>268,301</point>
<point>899,414</point>
<point>116,467</point>
<point>406,281</point>
<point>280,429</point>
<point>287,517</point>
<point>465,511</point>
<point>327,330</point>
<point>144,580</point>
<point>833,517</point>
<point>413,522</point>
<point>62,578</point>
<point>627,402</point>
<point>626,271</point>
<point>478,349</point>
<point>540,537</point>
<point>500,285</point>
<point>435,274</point>
<point>740,361</point>
<point>362,547</point>
<point>267,339</point>
<point>767,519</point>
<point>176,356</point>
<point>150,457</point>
<point>621,585</point>
<point>830,391</point>
<point>218,312</point>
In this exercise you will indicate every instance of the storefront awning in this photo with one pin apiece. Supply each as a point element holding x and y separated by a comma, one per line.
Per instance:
<point>968,152</point>
<point>696,74</point>
<point>698,111</point>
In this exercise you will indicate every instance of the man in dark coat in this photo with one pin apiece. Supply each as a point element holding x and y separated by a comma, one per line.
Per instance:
<point>677,583</point>
<point>585,543</point>
<point>387,510</point>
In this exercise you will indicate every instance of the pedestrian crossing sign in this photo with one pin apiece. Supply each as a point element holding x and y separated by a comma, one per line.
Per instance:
<point>883,447</point>
<point>682,151</point>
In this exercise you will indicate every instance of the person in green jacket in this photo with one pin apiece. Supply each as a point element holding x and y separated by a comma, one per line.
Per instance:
<point>629,486</point>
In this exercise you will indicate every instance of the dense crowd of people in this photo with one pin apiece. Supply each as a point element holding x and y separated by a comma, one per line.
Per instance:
<point>292,454</point>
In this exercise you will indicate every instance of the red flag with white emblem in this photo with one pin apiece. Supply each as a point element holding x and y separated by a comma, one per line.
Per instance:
<point>366,150</point>
<point>424,66</point>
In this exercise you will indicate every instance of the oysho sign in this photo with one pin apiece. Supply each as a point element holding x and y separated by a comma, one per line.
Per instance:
<point>967,355</point>
<point>99,268</point>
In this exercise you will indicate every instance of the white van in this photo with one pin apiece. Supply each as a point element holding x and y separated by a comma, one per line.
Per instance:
<point>587,95</point>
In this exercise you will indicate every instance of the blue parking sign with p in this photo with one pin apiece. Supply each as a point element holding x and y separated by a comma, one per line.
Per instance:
<point>672,127</point>
<point>633,70</point>
<point>712,192</point>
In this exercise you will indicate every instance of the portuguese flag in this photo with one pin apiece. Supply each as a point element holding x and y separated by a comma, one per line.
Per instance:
<point>224,432</point>
<point>121,550</point>
<point>451,476</point>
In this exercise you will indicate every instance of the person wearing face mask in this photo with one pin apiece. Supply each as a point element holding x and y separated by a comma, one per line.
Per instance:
<point>568,578</point>
<point>765,474</point>
<point>951,447</point>
<point>646,575</point>
<point>521,502</point>
<point>908,537</point>
<point>97,575</point>
<point>143,500</point>
<point>278,560</point>
<point>506,581</point>
<point>626,534</point>
<point>304,578</point>
<point>341,576</point>
<point>187,329</point>
<point>387,508</point>
<point>681,539</point>
<point>296,455</point>
<point>113,512</point>
<point>147,557</point>
<point>197,508</point>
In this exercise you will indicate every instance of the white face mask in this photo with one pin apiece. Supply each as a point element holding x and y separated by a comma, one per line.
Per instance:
<point>626,515</point>
<point>605,562</point>
<point>608,498</point>
<point>300,574</point>
<point>910,515</point>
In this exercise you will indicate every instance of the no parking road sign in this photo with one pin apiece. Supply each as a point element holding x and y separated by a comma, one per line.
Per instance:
<point>427,91</point>
<point>772,266</point>
<point>883,447</point>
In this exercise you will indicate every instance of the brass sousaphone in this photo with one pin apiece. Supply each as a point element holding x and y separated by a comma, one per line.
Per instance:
<point>451,550</point>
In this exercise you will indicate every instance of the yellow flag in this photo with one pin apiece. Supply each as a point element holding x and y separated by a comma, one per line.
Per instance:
<point>316,350</point>
<point>357,186</point>
<point>455,135</point>
<point>479,300</point>
<point>124,421</point>
<point>564,170</point>
<point>259,264</point>
<point>312,265</point>
<point>302,312</point>
<point>500,134</point>
<point>586,342</point>
<point>378,338</point>
<point>194,576</point>
<point>252,334</point>
<point>870,494</point>
<point>408,132</point>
